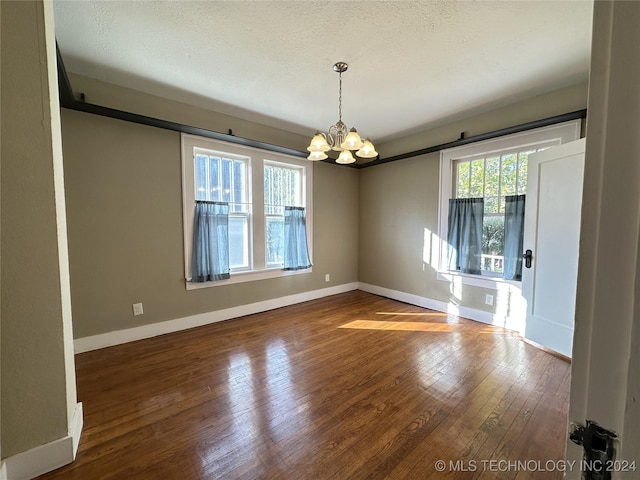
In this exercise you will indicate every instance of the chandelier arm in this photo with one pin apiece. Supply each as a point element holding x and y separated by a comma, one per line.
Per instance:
<point>329,138</point>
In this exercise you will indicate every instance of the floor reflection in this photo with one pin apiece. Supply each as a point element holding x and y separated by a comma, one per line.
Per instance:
<point>284,406</point>
<point>240,411</point>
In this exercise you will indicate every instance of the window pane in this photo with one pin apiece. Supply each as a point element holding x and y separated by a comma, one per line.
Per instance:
<point>491,205</point>
<point>275,241</point>
<point>292,192</point>
<point>492,177</point>
<point>286,190</point>
<point>214,179</point>
<point>523,163</point>
<point>477,178</point>
<point>462,179</point>
<point>493,244</point>
<point>238,182</point>
<point>509,174</point>
<point>282,187</point>
<point>201,177</point>
<point>276,199</point>
<point>238,242</point>
<point>226,180</point>
<point>268,186</point>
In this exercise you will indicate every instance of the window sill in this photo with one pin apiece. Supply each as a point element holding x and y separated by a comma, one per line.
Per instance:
<point>250,276</point>
<point>495,283</point>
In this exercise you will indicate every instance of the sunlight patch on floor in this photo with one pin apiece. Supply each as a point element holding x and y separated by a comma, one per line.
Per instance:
<point>421,327</point>
<point>499,331</point>
<point>403,326</point>
<point>430,314</point>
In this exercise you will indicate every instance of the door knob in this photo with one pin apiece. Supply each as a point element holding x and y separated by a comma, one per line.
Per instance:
<point>527,256</point>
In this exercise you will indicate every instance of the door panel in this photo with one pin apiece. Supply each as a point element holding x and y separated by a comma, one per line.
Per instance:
<point>552,232</point>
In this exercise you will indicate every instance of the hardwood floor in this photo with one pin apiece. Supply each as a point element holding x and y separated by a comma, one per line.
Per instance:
<point>352,386</point>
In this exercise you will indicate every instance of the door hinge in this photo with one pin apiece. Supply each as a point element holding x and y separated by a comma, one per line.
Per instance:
<point>599,450</point>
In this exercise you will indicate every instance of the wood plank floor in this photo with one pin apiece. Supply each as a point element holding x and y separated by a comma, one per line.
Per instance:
<point>352,386</point>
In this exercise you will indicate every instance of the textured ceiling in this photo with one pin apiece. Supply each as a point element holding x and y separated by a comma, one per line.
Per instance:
<point>411,64</point>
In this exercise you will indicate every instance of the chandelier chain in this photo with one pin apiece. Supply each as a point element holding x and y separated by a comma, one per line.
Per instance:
<point>340,98</point>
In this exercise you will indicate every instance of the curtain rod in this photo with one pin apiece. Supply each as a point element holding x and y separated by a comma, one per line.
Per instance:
<point>68,100</point>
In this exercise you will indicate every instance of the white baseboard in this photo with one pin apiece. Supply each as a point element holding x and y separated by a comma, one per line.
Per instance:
<point>440,306</point>
<point>95,342</point>
<point>47,457</point>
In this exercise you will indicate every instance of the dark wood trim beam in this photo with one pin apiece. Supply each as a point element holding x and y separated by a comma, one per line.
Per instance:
<point>179,127</point>
<point>544,122</point>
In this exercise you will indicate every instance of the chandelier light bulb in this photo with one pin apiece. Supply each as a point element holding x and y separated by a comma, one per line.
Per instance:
<point>367,150</point>
<point>345,158</point>
<point>319,143</point>
<point>315,156</point>
<point>352,141</point>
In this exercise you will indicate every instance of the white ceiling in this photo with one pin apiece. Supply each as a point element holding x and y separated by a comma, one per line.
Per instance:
<point>412,64</point>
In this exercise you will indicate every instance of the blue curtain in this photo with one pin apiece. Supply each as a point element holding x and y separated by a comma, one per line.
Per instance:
<point>296,251</point>
<point>210,256</point>
<point>513,236</point>
<point>465,234</point>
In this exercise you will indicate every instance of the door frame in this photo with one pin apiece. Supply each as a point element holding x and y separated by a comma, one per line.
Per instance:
<point>605,374</point>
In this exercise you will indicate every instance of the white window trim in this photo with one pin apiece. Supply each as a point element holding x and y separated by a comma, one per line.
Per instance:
<point>257,158</point>
<point>556,134</point>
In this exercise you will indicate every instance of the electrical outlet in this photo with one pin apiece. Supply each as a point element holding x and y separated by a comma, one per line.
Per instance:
<point>137,309</point>
<point>327,277</point>
<point>488,299</point>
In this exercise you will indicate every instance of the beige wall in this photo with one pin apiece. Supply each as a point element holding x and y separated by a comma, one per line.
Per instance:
<point>124,204</point>
<point>399,202</point>
<point>36,363</point>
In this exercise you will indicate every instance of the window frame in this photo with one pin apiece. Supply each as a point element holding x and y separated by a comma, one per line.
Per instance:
<point>537,138</point>
<point>256,159</point>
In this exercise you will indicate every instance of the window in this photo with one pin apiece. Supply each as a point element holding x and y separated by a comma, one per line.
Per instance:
<point>222,177</point>
<point>493,178</point>
<point>282,187</point>
<point>493,172</point>
<point>257,185</point>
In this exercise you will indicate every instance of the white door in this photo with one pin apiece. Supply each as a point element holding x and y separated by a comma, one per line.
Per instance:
<point>552,234</point>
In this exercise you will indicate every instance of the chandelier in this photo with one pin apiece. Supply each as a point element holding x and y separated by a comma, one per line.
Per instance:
<point>339,138</point>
